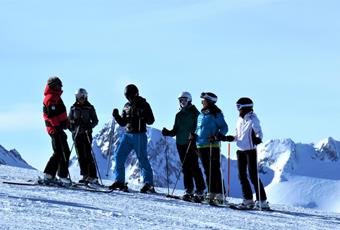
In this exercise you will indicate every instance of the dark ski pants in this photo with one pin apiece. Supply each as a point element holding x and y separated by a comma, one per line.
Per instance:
<point>83,146</point>
<point>247,160</point>
<point>190,168</point>
<point>60,158</point>
<point>215,185</point>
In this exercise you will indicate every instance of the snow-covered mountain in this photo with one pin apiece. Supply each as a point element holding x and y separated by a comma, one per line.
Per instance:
<point>302,174</point>
<point>296,174</point>
<point>12,158</point>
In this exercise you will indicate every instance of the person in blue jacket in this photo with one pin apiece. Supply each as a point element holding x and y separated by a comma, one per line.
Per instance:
<point>210,123</point>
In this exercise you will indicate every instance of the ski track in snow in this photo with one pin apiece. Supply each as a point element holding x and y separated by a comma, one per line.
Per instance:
<point>37,207</point>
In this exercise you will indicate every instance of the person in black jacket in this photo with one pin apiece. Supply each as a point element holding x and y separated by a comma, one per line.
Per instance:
<point>83,119</point>
<point>136,115</point>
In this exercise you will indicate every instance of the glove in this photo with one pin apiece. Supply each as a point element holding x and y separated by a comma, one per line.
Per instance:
<point>229,138</point>
<point>115,113</point>
<point>165,132</point>
<point>220,137</point>
<point>212,139</point>
<point>257,141</point>
<point>192,137</point>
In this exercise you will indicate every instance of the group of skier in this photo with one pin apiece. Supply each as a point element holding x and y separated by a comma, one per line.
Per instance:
<point>198,136</point>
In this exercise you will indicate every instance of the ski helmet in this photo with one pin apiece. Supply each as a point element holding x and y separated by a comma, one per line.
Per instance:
<point>81,93</point>
<point>131,91</point>
<point>185,95</point>
<point>210,97</point>
<point>54,81</point>
<point>244,102</point>
<point>184,99</point>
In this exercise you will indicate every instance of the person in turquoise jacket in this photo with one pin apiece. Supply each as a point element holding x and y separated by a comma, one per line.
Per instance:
<point>210,123</point>
<point>185,123</point>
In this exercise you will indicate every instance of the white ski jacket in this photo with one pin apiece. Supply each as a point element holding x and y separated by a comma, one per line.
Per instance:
<point>244,129</point>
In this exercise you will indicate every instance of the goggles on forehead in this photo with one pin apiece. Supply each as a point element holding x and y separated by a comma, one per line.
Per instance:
<point>208,97</point>
<point>240,106</point>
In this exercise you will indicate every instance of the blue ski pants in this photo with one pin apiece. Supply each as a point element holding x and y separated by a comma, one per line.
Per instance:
<point>129,142</point>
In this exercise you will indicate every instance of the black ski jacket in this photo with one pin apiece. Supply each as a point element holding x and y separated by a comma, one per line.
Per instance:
<point>136,115</point>
<point>83,116</point>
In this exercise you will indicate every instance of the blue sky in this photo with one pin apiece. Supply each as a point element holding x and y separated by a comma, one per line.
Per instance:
<point>284,54</point>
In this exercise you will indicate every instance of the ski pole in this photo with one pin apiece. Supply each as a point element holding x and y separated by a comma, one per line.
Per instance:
<point>94,157</point>
<point>64,156</point>
<point>74,140</point>
<point>222,178</point>
<point>111,133</point>
<point>167,164</point>
<point>258,180</point>
<point>228,193</point>
<point>182,163</point>
<point>210,155</point>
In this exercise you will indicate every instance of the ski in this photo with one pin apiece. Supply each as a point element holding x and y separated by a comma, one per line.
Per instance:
<point>73,186</point>
<point>242,208</point>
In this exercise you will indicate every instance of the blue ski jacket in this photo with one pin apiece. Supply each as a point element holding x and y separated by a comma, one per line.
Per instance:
<point>210,123</point>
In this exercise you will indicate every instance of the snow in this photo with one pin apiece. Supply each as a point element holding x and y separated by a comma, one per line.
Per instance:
<point>32,207</point>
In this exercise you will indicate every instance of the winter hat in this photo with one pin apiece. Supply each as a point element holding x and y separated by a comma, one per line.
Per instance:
<point>244,102</point>
<point>211,97</point>
<point>53,82</point>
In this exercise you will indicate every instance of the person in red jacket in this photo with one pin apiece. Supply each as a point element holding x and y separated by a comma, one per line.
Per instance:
<point>55,116</point>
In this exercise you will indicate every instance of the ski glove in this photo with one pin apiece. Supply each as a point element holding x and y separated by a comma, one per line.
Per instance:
<point>165,132</point>
<point>192,137</point>
<point>257,141</point>
<point>229,138</point>
<point>115,113</point>
<point>220,137</point>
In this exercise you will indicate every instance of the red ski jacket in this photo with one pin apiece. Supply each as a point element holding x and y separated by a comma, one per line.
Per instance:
<point>54,111</point>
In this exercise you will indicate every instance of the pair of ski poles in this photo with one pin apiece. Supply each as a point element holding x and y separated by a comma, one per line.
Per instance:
<point>92,153</point>
<point>186,153</point>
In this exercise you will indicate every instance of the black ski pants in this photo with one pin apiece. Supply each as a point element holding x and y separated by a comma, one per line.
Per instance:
<point>83,146</point>
<point>190,168</point>
<point>60,158</point>
<point>248,160</point>
<point>213,172</point>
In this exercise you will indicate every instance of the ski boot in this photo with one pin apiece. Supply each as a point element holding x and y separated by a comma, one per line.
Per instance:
<point>120,186</point>
<point>261,205</point>
<point>188,195</point>
<point>147,188</point>
<point>48,180</point>
<point>246,204</point>
<point>198,197</point>
<point>83,180</point>
<point>65,182</point>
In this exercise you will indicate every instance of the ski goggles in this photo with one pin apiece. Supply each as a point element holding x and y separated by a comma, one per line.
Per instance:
<point>240,106</point>
<point>208,97</point>
<point>183,99</point>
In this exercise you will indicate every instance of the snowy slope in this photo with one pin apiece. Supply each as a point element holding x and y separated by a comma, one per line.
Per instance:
<point>303,174</point>
<point>23,207</point>
<point>12,158</point>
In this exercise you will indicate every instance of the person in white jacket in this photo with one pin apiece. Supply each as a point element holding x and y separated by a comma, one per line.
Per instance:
<point>248,136</point>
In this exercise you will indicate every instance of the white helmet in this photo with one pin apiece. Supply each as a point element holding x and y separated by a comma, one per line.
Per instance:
<point>81,93</point>
<point>185,95</point>
<point>184,99</point>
